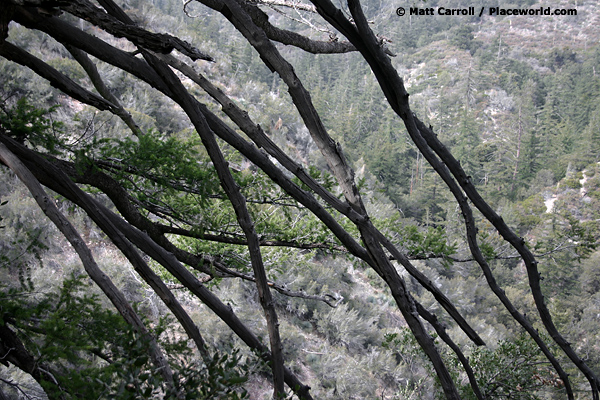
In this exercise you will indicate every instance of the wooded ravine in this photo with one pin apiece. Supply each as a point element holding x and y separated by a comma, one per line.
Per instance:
<point>227,199</point>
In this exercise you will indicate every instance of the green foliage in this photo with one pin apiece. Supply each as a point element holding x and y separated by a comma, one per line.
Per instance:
<point>25,122</point>
<point>324,178</point>
<point>160,167</point>
<point>515,369</point>
<point>57,328</point>
<point>95,354</point>
<point>571,183</point>
<point>173,178</point>
<point>424,242</point>
<point>531,211</point>
<point>403,342</point>
<point>219,377</point>
<point>584,234</point>
<point>463,38</point>
<point>487,249</point>
<point>555,109</point>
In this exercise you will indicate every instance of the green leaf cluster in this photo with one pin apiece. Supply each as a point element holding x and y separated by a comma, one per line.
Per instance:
<point>424,242</point>
<point>93,353</point>
<point>158,168</point>
<point>25,122</point>
<point>514,369</point>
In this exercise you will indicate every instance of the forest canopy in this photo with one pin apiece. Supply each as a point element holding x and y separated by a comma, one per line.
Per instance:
<point>254,204</point>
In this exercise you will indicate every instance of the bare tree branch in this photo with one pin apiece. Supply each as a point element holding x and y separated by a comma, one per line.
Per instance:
<point>526,255</point>
<point>288,37</point>
<point>376,249</point>
<point>259,137</point>
<point>53,178</point>
<point>13,351</point>
<point>152,78</point>
<point>393,88</point>
<point>56,78</point>
<point>345,177</point>
<point>315,125</point>
<point>295,5</point>
<point>100,278</point>
<point>101,87</point>
<point>158,42</point>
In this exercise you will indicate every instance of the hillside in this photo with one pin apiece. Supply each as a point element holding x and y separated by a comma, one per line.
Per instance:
<point>515,99</point>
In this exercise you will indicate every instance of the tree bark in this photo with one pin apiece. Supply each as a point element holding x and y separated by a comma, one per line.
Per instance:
<point>12,351</point>
<point>53,178</point>
<point>254,25</point>
<point>100,278</point>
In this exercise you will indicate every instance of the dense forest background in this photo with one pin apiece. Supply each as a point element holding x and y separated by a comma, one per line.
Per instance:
<point>516,99</point>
